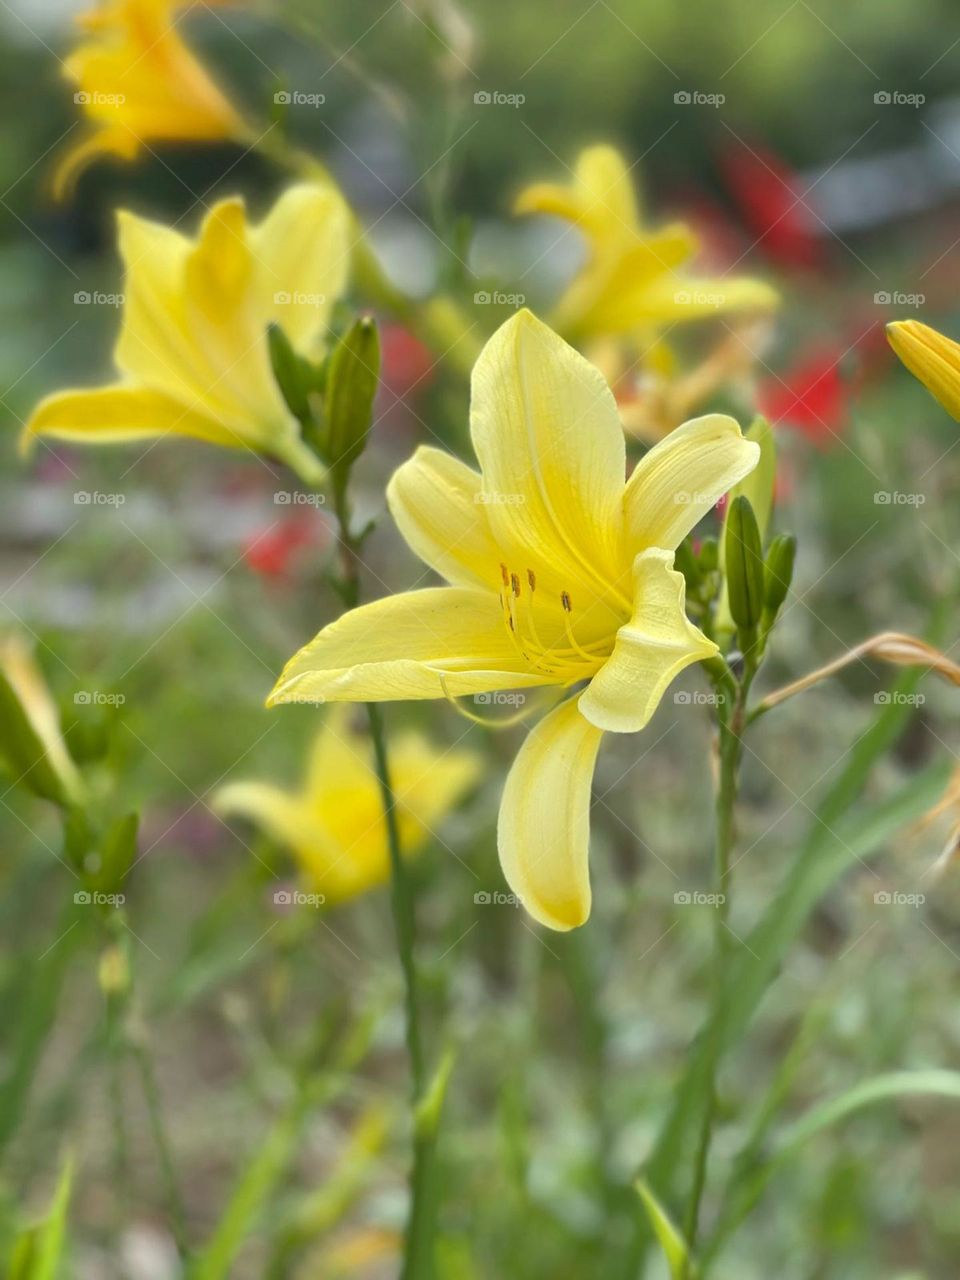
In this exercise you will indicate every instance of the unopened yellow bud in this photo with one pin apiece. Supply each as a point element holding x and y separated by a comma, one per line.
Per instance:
<point>932,358</point>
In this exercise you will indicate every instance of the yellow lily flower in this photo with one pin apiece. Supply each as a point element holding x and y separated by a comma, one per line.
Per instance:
<point>193,347</point>
<point>633,280</point>
<point>30,737</point>
<point>334,825</point>
<point>138,82</point>
<point>558,573</point>
<point>931,357</point>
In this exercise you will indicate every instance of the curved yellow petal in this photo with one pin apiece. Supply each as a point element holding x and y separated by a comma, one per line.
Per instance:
<point>442,641</point>
<point>155,344</point>
<point>680,297</point>
<point>650,651</point>
<point>110,415</point>
<point>682,477</point>
<point>543,832</point>
<point>279,813</point>
<point>438,504</point>
<point>599,199</point>
<point>548,438</point>
<point>931,357</point>
<point>302,251</point>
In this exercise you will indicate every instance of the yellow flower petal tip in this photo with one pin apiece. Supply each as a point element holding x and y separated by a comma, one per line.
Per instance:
<point>341,848</point>
<point>138,82</point>
<point>634,278</point>
<point>932,358</point>
<point>192,354</point>
<point>558,573</point>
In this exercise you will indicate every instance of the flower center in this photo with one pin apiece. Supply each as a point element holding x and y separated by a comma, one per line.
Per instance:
<point>564,658</point>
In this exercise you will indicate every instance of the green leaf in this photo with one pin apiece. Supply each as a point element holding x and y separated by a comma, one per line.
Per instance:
<point>671,1241</point>
<point>894,1084</point>
<point>826,855</point>
<point>38,1251</point>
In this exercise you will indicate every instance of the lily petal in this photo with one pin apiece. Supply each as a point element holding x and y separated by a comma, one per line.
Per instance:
<point>108,415</point>
<point>302,253</point>
<point>649,652</point>
<point>442,641</point>
<point>543,832</point>
<point>437,503</point>
<point>682,477</point>
<point>550,445</point>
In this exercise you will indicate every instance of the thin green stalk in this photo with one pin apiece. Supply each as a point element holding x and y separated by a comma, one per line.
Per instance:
<point>418,1253</point>
<point>731,720</point>
<point>168,1173</point>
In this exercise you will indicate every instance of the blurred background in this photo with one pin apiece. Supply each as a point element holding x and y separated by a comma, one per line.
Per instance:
<point>814,145</point>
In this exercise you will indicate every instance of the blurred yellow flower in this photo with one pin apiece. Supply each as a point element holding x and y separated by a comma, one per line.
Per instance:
<point>633,280</point>
<point>138,83</point>
<point>558,572</point>
<point>193,347</point>
<point>334,824</point>
<point>931,357</point>
<point>30,737</point>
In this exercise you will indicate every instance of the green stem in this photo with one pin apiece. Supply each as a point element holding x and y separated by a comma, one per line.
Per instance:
<point>418,1252</point>
<point>731,721</point>
<point>171,1185</point>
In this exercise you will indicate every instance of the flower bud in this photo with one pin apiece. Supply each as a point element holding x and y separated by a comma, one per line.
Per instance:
<point>932,358</point>
<point>294,375</point>
<point>743,558</point>
<point>352,377</point>
<point>778,572</point>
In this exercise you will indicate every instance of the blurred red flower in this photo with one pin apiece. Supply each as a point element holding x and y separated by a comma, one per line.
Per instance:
<point>811,396</point>
<point>407,364</point>
<point>771,200</point>
<point>275,549</point>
